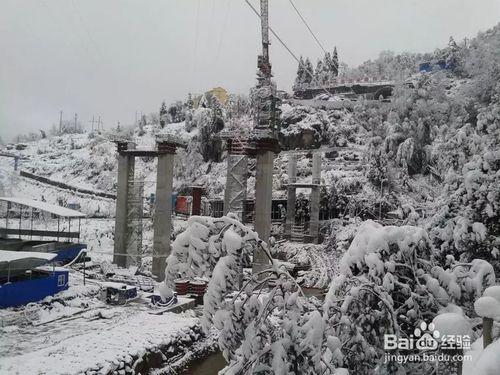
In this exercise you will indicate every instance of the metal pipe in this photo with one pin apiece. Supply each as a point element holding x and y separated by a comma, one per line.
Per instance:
<point>84,273</point>
<point>31,224</point>
<point>7,220</point>
<point>20,219</point>
<point>58,222</point>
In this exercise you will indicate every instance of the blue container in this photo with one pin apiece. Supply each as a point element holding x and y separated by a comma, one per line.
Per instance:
<point>425,67</point>
<point>68,253</point>
<point>41,285</point>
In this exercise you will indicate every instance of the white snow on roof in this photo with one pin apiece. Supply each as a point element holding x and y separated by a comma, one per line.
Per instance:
<point>11,256</point>
<point>44,206</point>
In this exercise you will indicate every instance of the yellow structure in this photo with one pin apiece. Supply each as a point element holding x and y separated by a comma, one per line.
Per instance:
<point>220,93</point>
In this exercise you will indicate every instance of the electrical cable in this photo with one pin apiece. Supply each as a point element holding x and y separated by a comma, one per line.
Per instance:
<point>308,27</point>
<point>288,49</point>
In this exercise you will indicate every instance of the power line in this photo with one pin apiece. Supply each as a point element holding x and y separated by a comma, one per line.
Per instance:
<point>194,65</point>
<point>308,28</point>
<point>86,30</point>
<point>224,24</point>
<point>274,33</point>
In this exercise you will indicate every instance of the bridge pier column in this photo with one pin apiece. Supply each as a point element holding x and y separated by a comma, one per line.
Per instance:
<point>126,164</point>
<point>315,198</point>
<point>291,195</point>
<point>263,205</point>
<point>162,223</point>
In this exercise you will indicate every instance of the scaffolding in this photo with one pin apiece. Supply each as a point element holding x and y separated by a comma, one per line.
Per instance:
<point>237,175</point>
<point>135,211</point>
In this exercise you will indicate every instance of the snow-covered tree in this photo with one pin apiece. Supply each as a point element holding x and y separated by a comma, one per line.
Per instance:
<point>309,71</point>
<point>163,114</point>
<point>300,78</point>
<point>274,331</point>
<point>335,63</point>
<point>196,251</point>
<point>389,283</point>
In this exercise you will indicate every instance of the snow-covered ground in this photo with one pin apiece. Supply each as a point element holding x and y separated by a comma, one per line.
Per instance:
<point>75,332</point>
<point>96,340</point>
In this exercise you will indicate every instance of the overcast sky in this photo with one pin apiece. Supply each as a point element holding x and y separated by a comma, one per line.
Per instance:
<point>115,57</point>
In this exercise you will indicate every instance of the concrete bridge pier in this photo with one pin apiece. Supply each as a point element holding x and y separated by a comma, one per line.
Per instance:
<point>263,200</point>
<point>291,195</point>
<point>162,224</point>
<point>126,166</point>
<point>315,198</point>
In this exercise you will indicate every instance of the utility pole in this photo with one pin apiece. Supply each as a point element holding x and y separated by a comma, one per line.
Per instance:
<point>99,124</point>
<point>76,118</point>
<point>60,121</point>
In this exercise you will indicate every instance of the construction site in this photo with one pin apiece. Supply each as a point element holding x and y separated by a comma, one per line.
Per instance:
<point>303,231</point>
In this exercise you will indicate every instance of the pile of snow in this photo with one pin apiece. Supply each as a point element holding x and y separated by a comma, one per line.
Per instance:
<point>452,324</point>
<point>484,362</point>
<point>488,306</point>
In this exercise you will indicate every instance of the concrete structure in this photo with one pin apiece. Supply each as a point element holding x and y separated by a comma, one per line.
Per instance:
<point>126,166</point>
<point>291,195</point>
<point>263,205</point>
<point>373,89</point>
<point>162,224</point>
<point>126,221</point>
<point>265,141</point>
<point>315,198</point>
<point>263,193</point>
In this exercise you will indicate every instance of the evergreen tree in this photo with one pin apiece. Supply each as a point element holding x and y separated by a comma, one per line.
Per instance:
<point>309,71</point>
<point>163,114</point>
<point>452,57</point>
<point>189,102</point>
<point>300,78</point>
<point>328,61</point>
<point>323,70</point>
<point>318,73</point>
<point>335,63</point>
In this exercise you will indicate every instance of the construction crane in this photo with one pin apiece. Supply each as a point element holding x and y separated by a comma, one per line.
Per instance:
<point>263,62</point>
<point>264,94</point>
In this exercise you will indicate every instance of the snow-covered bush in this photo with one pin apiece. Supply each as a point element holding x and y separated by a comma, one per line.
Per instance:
<point>275,331</point>
<point>467,224</point>
<point>196,251</point>
<point>389,283</point>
